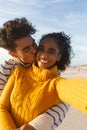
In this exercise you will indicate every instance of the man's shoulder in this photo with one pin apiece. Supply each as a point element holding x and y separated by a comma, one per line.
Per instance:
<point>9,63</point>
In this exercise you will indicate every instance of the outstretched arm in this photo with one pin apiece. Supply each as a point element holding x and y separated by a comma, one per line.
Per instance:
<point>74,92</point>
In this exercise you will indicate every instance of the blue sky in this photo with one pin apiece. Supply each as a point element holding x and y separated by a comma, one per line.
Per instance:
<point>69,16</point>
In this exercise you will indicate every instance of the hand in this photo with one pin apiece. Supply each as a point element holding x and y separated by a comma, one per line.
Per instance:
<point>26,127</point>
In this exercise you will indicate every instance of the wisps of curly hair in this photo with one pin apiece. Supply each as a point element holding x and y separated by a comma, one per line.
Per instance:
<point>13,30</point>
<point>64,45</point>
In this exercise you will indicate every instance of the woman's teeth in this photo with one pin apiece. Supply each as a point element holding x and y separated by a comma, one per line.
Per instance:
<point>44,61</point>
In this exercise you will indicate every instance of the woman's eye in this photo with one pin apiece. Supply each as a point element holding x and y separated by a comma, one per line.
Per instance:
<point>52,52</point>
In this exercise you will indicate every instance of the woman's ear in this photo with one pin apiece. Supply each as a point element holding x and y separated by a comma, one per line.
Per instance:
<point>13,54</point>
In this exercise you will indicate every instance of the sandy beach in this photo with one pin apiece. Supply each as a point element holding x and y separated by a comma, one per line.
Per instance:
<point>74,120</point>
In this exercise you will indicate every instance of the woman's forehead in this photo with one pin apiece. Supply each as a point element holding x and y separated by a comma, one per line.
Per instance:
<point>48,42</point>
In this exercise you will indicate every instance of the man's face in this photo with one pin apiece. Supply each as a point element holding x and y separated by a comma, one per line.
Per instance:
<point>26,49</point>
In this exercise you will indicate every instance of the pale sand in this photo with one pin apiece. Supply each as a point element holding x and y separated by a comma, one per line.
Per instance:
<point>74,120</point>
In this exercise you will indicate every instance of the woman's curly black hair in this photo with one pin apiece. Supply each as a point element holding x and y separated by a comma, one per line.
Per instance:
<point>64,44</point>
<point>13,30</point>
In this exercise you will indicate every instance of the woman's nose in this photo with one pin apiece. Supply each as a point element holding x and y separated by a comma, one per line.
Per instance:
<point>44,55</point>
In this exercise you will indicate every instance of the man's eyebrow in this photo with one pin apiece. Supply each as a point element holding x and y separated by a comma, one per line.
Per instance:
<point>28,45</point>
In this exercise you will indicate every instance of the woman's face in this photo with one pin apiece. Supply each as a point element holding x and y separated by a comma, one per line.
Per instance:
<point>48,53</point>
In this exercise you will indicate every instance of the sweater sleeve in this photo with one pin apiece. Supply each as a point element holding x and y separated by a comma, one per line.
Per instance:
<point>5,70</point>
<point>74,92</point>
<point>6,122</point>
<point>52,118</point>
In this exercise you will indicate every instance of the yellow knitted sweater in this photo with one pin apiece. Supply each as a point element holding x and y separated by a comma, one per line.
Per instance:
<point>30,91</point>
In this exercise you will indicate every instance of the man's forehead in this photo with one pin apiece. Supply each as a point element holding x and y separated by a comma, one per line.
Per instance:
<point>24,42</point>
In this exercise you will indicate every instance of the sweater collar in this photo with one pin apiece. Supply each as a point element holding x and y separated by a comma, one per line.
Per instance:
<point>44,74</point>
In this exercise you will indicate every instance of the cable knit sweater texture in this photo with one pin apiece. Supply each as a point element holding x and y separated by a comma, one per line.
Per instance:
<point>31,91</point>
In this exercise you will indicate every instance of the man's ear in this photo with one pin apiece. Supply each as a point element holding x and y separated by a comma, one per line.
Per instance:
<point>13,54</point>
